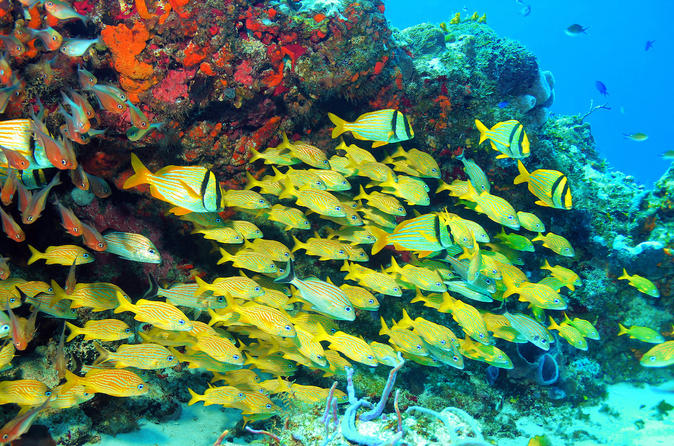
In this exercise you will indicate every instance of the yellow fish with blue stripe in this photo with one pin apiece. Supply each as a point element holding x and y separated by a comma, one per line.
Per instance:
<point>144,356</point>
<point>551,187</point>
<point>424,233</point>
<point>507,137</point>
<point>188,188</point>
<point>640,283</point>
<point>381,126</point>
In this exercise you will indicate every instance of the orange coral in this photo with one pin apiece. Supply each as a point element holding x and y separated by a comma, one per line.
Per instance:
<point>125,44</point>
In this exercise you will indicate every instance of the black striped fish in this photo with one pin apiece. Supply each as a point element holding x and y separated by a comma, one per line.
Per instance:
<point>381,126</point>
<point>550,186</point>
<point>188,188</point>
<point>423,233</point>
<point>507,137</point>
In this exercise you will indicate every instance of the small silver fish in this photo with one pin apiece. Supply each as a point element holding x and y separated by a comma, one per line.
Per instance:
<point>77,47</point>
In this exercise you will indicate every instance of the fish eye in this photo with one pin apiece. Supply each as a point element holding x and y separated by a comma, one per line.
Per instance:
<point>481,335</point>
<point>510,217</point>
<point>127,330</point>
<point>268,406</point>
<point>261,201</point>
<point>438,283</point>
<point>455,358</point>
<point>370,357</point>
<point>544,341</point>
<point>241,394</point>
<point>285,254</point>
<point>119,106</point>
<point>257,288</point>
<point>181,321</point>
<point>419,347</point>
<point>487,281</point>
<point>288,327</point>
<point>47,393</point>
<point>170,358</point>
<point>500,356</point>
<point>434,170</point>
<point>396,289</point>
<point>319,356</point>
<point>5,436</point>
<point>30,218</point>
<point>86,393</point>
<point>338,208</point>
<point>344,182</point>
<point>370,301</point>
<point>100,244</point>
<point>401,208</point>
<point>50,289</point>
<point>235,356</point>
<point>347,309</point>
<point>221,298</point>
<point>353,217</point>
<point>85,255</point>
<point>151,251</point>
<point>12,300</point>
<point>140,386</point>
<point>651,358</point>
<point>555,300</point>
<point>341,251</point>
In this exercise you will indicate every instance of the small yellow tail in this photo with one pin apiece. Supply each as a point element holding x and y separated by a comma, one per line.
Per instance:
<point>74,331</point>
<point>286,143</point>
<point>482,129</point>
<point>625,276</point>
<point>202,285</point>
<point>382,239</point>
<point>362,195</point>
<point>384,329</point>
<point>35,255</point>
<point>226,257</point>
<point>141,173</point>
<point>195,397</point>
<point>124,304</point>
<point>298,244</point>
<point>523,177</point>
<point>104,355</point>
<point>623,329</point>
<point>339,125</point>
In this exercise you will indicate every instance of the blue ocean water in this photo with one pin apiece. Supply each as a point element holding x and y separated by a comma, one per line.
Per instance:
<point>612,51</point>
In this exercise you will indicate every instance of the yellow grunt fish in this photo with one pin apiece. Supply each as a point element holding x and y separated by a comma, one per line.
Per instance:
<point>224,396</point>
<point>160,314</point>
<point>24,392</point>
<point>61,255</point>
<point>507,137</point>
<point>250,260</point>
<point>549,186</point>
<point>113,382</point>
<point>556,243</point>
<point>640,283</point>
<point>108,330</point>
<point>143,356</point>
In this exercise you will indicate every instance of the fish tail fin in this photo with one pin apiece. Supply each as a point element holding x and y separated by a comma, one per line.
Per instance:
<point>389,182</point>
<point>538,238</point>
<point>289,275</point>
<point>384,328</point>
<point>72,379</point>
<point>226,257</point>
<point>482,129</point>
<point>298,244</point>
<point>321,334</point>
<point>255,155</point>
<point>523,177</point>
<point>74,331</point>
<point>104,355</point>
<point>623,329</point>
<point>546,265</point>
<point>215,317</point>
<point>406,321</point>
<point>202,285</point>
<point>339,125</point>
<point>566,317</point>
<point>278,176</point>
<point>418,297</point>
<point>553,325</point>
<point>35,255</point>
<point>195,397</point>
<point>285,144</point>
<point>288,189</point>
<point>59,293</point>
<point>400,152</point>
<point>346,267</point>
<point>361,195</point>
<point>382,239</point>
<point>394,268</point>
<point>251,182</point>
<point>510,291</point>
<point>124,304</point>
<point>141,173</point>
<point>625,276</point>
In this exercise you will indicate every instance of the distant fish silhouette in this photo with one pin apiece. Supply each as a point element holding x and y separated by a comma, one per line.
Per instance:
<point>576,29</point>
<point>649,45</point>
<point>601,87</point>
<point>526,10</point>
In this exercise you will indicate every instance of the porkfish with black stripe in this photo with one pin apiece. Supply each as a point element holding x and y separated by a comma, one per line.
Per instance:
<point>382,126</point>
<point>188,188</point>
<point>551,187</point>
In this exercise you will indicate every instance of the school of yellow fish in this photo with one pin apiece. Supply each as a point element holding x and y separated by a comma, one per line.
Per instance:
<point>262,316</point>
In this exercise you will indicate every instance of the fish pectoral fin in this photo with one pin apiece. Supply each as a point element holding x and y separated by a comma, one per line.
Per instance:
<point>501,156</point>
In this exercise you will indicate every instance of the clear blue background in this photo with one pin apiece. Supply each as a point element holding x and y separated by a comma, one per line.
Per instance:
<point>639,82</point>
